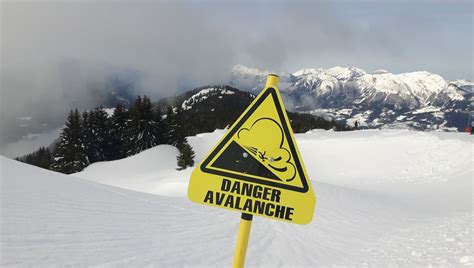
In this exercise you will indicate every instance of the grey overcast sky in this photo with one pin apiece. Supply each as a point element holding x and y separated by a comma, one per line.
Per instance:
<point>51,51</point>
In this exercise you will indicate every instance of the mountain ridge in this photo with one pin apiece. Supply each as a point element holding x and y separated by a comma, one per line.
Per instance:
<point>331,92</point>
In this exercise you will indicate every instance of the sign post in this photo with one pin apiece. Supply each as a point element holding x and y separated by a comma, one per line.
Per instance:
<point>246,219</point>
<point>242,240</point>
<point>256,169</point>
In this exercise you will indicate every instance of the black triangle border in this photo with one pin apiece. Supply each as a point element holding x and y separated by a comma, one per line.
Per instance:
<point>269,91</point>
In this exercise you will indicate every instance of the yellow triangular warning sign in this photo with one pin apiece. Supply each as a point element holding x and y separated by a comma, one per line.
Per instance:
<point>260,148</point>
<point>256,168</point>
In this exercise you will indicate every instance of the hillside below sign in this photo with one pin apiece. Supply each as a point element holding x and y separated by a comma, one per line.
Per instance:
<point>256,168</point>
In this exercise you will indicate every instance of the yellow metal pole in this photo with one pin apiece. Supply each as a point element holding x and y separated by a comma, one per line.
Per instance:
<point>246,219</point>
<point>242,240</point>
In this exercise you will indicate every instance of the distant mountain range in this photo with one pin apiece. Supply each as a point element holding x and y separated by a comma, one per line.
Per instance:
<point>380,99</point>
<point>416,100</point>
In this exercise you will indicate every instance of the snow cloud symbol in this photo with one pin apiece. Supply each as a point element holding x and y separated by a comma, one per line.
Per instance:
<point>264,139</point>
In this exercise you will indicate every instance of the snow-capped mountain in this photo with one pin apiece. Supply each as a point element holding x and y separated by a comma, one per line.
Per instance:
<point>205,94</point>
<point>419,100</point>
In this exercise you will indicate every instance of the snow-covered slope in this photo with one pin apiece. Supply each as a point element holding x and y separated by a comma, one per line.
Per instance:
<point>390,157</point>
<point>384,158</point>
<point>377,98</point>
<point>150,171</point>
<point>384,198</point>
<point>49,219</point>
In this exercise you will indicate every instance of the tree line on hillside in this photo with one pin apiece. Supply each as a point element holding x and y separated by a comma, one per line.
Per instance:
<point>94,136</point>
<point>220,111</point>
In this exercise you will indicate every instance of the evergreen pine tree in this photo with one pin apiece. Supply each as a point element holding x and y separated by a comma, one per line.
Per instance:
<point>96,135</point>
<point>69,154</point>
<point>170,127</point>
<point>118,130</point>
<point>143,130</point>
<point>42,158</point>
<point>178,127</point>
<point>30,159</point>
<point>86,136</point>
<point>186,156</point>
<point>160,127</point>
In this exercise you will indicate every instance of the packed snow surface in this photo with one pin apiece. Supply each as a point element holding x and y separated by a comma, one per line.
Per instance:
<point>384,198</point>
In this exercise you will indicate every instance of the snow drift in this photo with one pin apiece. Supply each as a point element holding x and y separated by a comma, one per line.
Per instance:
<point>356,159</point>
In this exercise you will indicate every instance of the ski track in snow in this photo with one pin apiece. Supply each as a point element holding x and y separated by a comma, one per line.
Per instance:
<point>423,217</point>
